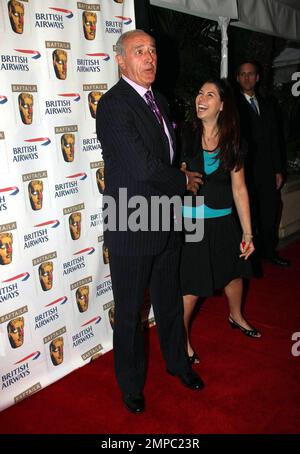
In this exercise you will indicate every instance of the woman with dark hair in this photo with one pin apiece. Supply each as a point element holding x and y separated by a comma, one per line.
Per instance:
<point>212,146</point>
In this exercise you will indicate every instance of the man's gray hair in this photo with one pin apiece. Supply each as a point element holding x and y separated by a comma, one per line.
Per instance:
<point>121,41</point>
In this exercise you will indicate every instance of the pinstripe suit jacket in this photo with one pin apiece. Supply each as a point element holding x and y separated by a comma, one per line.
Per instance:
<point>136,156</point>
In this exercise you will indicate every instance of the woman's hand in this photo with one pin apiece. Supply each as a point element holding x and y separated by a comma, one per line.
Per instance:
<point>246,245</point>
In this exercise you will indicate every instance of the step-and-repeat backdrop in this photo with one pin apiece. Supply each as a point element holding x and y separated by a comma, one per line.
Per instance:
<point>56,305</point>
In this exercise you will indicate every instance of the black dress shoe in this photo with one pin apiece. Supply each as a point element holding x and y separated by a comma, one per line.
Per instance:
<point>279,261</point>
<point>254,333</point>
<point>134,403</point>
<point>189,379</point>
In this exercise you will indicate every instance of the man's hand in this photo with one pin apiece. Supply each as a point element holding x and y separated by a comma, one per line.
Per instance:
<point>279,180</point>
<point>194,179</point>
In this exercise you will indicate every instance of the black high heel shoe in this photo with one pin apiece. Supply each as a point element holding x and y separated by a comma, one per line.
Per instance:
<point>194,359</point>
<point>254,333</point>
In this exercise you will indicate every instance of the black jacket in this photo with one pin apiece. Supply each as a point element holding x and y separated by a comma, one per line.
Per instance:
<point>261,134</point>
<point>136,155</point>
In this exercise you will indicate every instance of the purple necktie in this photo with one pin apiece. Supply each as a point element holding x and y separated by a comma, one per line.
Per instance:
<point>153,106</point>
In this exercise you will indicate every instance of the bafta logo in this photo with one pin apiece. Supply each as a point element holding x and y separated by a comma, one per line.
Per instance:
<point>35,192</point>
<point>105,254</point>
<point>16,16</point>
<point>15,331</point>
<point>93,99</point>
<point>75,225</point>
<point>82,298</point>
<point>26,107</point>
<point>68,147</point>
<point>100,179</point>
<point>6,250</point>
<point>56,348</point>
<point>60,60</point>
<point>111,316</point>
<point>46,275</point>
<point>89,21</point>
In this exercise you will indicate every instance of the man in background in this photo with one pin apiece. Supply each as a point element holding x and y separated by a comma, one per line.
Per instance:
<point>263,166</point>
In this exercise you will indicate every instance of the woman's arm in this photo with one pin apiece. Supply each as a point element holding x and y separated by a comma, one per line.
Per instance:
<point>241,200</point>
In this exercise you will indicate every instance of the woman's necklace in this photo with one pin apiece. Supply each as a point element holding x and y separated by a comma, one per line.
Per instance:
<point>210,143</point>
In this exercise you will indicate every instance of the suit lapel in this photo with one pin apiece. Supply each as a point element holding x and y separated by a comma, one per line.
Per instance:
<point>137,102</point>
<point>141,108</point>
<point>166,118</point>
<point>169,127</point>
<point>250,109</point>
<point>261,106</point>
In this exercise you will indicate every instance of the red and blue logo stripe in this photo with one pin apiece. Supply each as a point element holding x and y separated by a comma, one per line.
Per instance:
<point>125,20</point>
<point>68,13</point>
<point>60,301</point>
<point>34,53</point>
<point>45,140</point>
<point>75,96</point>
<point>103,55</point>
<point>87,250</point>
<point>94,319</point>
<point>14,190</point>
<point>53,224</point>
<point>32,356</point>
<point>19,277</point>
<point>81,176</point>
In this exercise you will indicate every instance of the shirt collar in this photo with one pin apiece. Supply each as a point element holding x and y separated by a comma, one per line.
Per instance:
<point>248,97</point>
<point>141,90</point>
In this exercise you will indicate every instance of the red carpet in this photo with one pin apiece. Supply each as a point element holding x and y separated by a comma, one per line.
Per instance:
<point>252,386</point>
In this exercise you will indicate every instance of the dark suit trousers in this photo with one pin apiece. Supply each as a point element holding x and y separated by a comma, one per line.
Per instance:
<point>264,207</point>
<point>131,275</point>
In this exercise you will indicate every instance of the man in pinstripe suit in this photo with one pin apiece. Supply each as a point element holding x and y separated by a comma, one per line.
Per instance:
<point>138,146</point>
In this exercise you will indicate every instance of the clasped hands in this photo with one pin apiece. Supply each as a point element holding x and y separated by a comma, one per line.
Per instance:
<point>194,179</point>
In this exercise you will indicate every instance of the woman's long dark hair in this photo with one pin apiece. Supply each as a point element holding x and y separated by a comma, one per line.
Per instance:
<point>230,155</point>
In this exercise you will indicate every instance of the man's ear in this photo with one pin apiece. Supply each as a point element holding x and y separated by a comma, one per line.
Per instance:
<point>120,61</point>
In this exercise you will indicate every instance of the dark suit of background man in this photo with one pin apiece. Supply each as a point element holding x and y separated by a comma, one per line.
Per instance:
<point>138,152</point>
<point>263,165</point>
